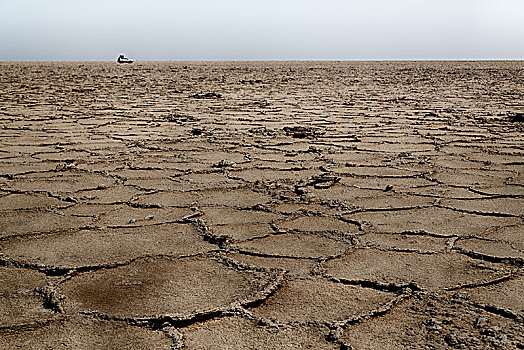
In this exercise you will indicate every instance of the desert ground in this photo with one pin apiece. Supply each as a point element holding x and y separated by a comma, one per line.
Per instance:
<point>262,205</point>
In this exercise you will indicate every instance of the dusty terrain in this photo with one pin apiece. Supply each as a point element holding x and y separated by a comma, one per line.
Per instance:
<point>275,205</point>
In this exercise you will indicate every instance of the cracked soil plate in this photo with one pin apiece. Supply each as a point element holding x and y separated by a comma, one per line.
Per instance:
<point>83,334</point>
<point>308,300</point>
<point>179,288</point>
<point>103,247</point>
<point>238,333</point>
<point>427,271</point>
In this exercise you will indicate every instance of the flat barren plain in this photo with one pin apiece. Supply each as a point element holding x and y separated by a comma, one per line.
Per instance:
<point>262,205</point>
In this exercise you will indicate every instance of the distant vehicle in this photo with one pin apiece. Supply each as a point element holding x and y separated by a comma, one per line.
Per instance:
<point>124,59</point>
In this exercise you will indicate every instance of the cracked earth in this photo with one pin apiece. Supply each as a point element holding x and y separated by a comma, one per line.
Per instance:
<point>262,205</point>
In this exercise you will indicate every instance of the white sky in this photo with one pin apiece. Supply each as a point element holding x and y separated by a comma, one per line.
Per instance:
<point>264,30</point>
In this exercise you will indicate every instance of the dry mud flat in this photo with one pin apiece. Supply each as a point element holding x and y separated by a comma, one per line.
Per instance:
<point>262,205</point>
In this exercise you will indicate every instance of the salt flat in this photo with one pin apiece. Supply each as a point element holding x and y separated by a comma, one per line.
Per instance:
<point>249,205</point>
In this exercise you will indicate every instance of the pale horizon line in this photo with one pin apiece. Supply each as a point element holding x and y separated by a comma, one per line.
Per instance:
<point>276,60</point>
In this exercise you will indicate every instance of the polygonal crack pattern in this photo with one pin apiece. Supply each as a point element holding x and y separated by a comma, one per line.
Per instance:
<point>438,322</point>
<point>283,205</point>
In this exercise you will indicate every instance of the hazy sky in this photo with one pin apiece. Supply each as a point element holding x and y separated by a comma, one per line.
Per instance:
<point>265,29</point>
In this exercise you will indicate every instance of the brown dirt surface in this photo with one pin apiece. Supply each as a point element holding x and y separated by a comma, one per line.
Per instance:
<point>238,333</point>
<point>261,205</point>
<point>186,288</point>
<point>84,333</point>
